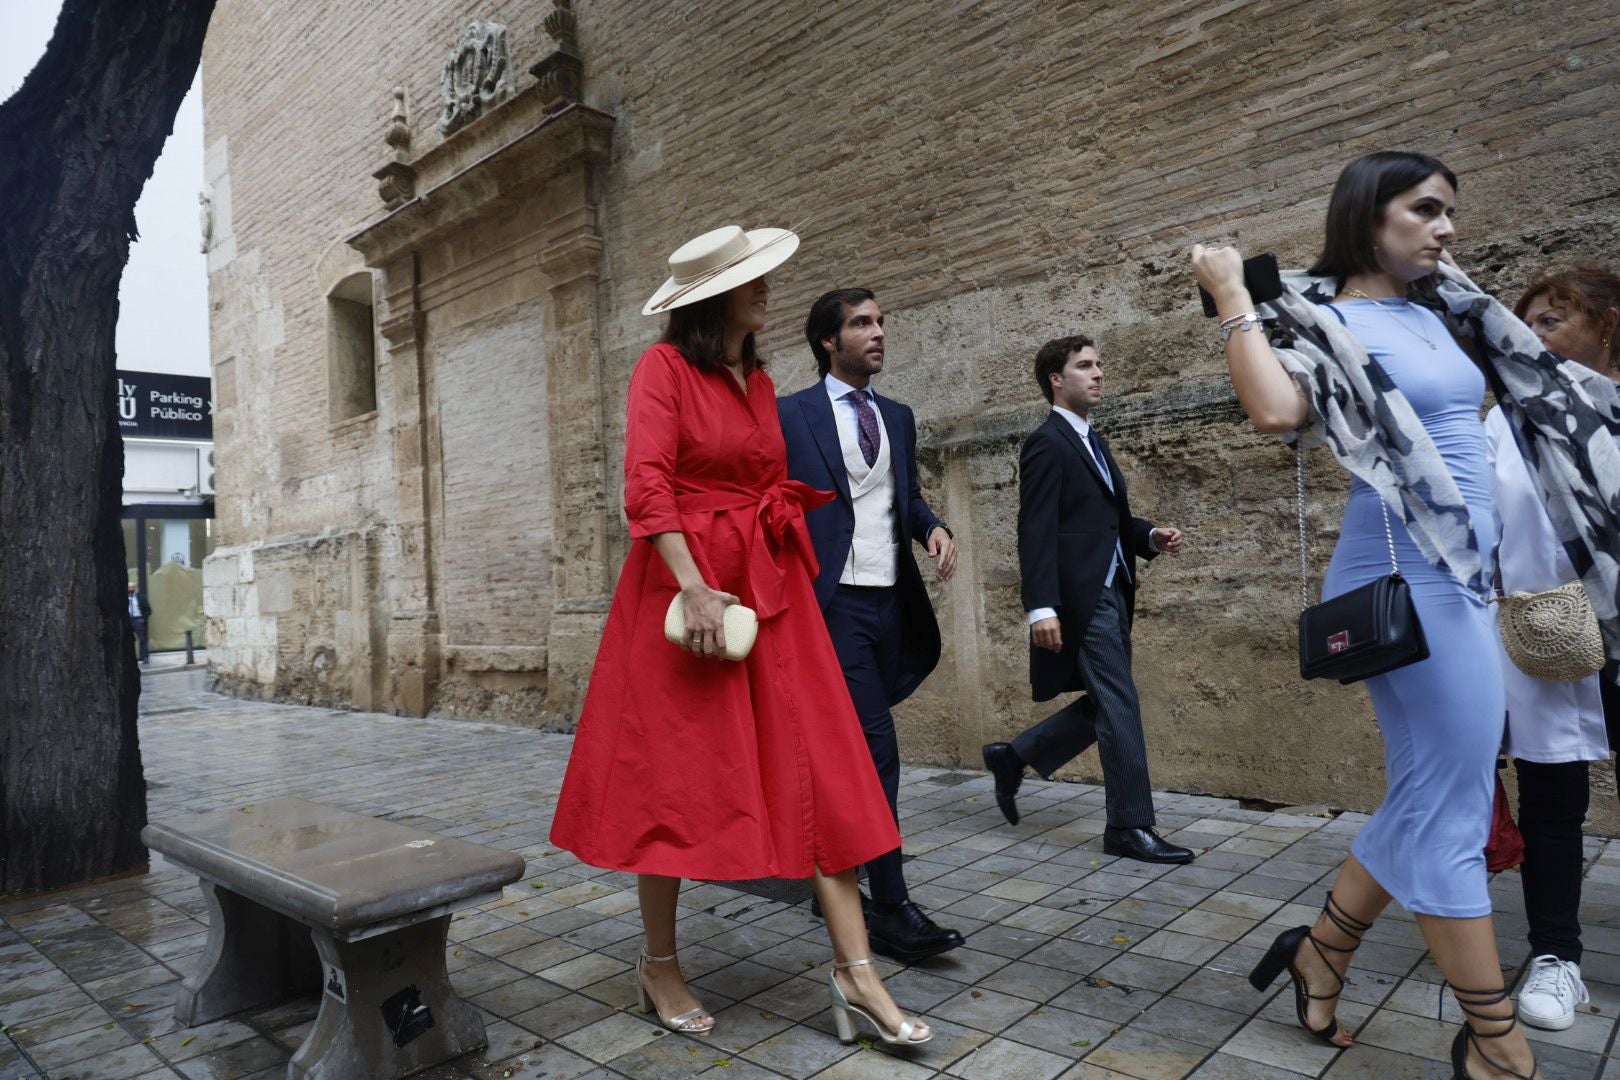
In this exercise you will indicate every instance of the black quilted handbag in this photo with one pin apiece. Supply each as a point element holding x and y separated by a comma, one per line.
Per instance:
<point>1364,632</point>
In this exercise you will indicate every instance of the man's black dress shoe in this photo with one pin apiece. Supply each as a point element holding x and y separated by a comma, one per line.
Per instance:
<point>907,934</point>
<point>1008,769</point>
<point>1144,845</point>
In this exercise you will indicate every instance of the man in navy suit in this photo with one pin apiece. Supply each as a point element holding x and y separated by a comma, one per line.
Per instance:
<point>843,437</point>
<point>1077,551</point>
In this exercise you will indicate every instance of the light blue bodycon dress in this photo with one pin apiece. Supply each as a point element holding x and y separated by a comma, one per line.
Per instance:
<point>1441,718</point>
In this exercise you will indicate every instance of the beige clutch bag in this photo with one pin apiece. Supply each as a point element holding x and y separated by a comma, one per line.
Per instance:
<point>741,624</point>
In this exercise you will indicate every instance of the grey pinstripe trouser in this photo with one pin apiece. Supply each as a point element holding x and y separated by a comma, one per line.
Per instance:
<point>1110,715</point>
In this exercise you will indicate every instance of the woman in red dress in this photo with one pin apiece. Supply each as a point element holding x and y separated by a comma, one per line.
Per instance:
<point>686,764</point>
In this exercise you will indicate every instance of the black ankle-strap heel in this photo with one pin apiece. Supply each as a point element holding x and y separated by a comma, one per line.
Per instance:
<point>1459,1045</point>
<point>1281,955</point>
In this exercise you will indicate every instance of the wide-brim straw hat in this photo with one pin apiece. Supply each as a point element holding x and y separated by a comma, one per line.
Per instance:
<point>719,261</point>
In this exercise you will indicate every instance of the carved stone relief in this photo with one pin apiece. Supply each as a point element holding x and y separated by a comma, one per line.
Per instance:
<point>477,75</point>
<point>560,72</point>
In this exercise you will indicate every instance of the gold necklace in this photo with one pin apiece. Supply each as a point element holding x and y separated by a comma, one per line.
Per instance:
<point>1359,295</point>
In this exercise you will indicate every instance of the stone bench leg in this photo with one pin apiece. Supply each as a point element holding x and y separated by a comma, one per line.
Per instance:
<point>387,1008</point>
<point>254,957</point>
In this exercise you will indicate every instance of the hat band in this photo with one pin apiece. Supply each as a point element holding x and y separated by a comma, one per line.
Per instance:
<point>711,274</point>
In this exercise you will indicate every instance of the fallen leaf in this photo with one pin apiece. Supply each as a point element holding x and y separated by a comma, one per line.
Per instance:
<point>537,884</point>
<point>1121,940</point>
<point>865,1044</point>
<point>724,1063</point>
<point>188,1040</point>
<point>763,1015</point>
<point>1081,1042</point>
<point>975,993</point>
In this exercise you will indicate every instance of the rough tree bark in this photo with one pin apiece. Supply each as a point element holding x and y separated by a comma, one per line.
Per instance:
<point>77,144</point>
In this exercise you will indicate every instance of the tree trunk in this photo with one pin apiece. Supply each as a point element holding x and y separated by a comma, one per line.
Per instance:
<point>77,143</point>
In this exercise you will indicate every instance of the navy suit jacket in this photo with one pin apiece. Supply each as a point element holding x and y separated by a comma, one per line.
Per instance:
<point>1068,523</point>
<point>816,457</point>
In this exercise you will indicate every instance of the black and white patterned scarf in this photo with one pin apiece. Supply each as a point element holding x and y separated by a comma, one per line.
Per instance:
<point>1565,418</point>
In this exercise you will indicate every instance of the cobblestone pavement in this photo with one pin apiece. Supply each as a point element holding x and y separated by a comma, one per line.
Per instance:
<point>1077,965</point>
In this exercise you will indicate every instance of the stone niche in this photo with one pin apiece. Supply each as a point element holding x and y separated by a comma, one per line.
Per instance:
<point>488,261</point>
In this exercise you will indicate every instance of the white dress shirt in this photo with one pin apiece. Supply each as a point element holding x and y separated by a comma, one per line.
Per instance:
<point>1548,722</point>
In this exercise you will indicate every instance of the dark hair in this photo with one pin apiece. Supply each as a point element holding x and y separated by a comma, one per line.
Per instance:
<point>1589,288</point>
<point>1053,355</point>
<point>827,321</point>
<point>1363,190</point>
<point>699,332</point>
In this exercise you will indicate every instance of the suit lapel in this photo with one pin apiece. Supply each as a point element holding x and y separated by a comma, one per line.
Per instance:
<point>899,456</point>
<point>818,413</point>
<point>1113,468</point>
<point>1066,430</point>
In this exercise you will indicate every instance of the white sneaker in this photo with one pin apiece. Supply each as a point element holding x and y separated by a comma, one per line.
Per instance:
<point>1550,993</point>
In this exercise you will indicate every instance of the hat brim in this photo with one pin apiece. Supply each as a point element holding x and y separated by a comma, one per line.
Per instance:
<point>773,247</point>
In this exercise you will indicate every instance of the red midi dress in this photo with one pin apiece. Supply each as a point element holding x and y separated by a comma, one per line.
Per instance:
<point>702,768</point>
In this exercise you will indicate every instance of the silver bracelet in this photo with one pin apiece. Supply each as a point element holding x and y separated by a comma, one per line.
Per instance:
<point>1246,321</point>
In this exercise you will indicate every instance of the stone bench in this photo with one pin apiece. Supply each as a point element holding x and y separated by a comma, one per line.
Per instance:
<point>303,897</point>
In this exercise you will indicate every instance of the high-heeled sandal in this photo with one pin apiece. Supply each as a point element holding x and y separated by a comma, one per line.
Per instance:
<point>1459,1045</point>
<point>842,1007</point>
<point>689,1022</point>
<point>1286,947</point>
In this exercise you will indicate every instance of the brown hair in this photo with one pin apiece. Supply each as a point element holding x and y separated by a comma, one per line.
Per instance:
<point>1053,355</point>
<point>1589,288</point>
<point>698,330</point>
<point>1360,196</point>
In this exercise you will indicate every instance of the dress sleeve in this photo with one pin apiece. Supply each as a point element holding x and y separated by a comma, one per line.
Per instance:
<point>652,435</point>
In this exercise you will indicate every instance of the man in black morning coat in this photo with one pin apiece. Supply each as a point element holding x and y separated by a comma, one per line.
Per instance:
<point>1077,551</point>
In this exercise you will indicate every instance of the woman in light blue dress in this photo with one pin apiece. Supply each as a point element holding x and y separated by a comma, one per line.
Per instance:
<point>1388,222</point>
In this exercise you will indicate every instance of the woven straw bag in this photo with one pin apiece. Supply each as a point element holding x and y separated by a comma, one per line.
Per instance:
<point>1552,635</point>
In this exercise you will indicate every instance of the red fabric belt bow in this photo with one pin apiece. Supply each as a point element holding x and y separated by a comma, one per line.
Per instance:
<point>779,532</point>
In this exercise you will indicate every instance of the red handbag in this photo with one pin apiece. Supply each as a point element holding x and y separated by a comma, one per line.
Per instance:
<point>1505,848</point>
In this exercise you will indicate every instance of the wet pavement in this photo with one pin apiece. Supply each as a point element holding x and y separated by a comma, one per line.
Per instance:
<point>1077,965</point>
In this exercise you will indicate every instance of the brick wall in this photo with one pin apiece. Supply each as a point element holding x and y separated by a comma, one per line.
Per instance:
<point>999,174</point>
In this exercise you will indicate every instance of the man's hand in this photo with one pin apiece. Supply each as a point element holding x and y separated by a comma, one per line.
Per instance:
<point>942,548</point>
<point>1167,540</point>
<point>1048,634</point>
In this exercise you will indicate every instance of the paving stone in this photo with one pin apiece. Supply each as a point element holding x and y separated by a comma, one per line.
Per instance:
<point>1148,1055</point>
<point>1003,1059</point>
<point>1085,966</point>
<point>1058,1031</point>
<point>983,1010</point>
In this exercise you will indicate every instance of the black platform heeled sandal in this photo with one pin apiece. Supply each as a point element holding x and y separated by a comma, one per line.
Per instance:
<point>1459,1045</point>
<point>1281,956</point>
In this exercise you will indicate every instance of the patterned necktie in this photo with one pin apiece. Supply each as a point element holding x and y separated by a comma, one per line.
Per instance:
<point>1097,453</point>
<point>866,420</point>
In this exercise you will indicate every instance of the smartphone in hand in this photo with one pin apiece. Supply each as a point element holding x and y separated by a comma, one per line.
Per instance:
<point>1259,275</point>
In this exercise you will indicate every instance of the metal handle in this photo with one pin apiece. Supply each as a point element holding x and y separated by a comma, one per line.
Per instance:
<point>1304,566</point>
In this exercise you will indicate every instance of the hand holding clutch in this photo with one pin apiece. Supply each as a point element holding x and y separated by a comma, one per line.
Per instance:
<point>741,627</point>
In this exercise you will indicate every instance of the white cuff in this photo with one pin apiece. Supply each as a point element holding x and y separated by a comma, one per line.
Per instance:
<point>1152,545</point>
<point>1042,613</point>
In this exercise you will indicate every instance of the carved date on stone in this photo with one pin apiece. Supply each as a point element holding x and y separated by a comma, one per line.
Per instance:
<point>477,75</point>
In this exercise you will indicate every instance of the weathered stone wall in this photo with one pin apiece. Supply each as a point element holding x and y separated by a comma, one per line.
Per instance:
<point>999,174</point>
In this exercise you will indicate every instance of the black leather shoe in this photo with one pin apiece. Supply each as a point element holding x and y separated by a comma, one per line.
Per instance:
<point>866,906</point>
<point>1008,769</point>
<point>907,934</point>
<point>1144,845</point>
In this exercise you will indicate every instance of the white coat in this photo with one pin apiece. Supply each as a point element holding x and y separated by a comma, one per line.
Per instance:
<point>1548,722</point>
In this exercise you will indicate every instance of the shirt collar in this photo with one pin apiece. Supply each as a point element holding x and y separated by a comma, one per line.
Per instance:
<point>1076,421</point>
<point>837,388</point>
